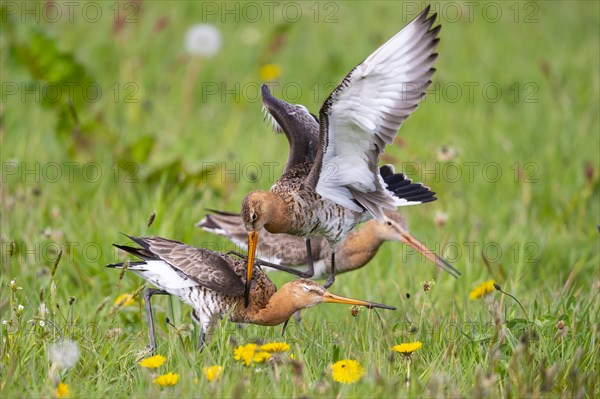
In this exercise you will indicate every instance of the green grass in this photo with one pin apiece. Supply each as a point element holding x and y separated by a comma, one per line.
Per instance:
<point>532,228</point>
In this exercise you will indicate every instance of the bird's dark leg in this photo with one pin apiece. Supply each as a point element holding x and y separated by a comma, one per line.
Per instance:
<point>284,326</point>
<point>306,274</point>
<point>238,254</point>
<point>331,279</point>
<point>147,295</point>
<point>201,339</point>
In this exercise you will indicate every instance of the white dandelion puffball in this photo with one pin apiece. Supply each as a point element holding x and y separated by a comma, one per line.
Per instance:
<point>64,354</point>
<point>203,40</point>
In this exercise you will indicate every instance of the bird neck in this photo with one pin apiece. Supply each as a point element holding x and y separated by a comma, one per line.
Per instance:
<point>278,310</point>
<point>360,246</point>
<point>279,220</point>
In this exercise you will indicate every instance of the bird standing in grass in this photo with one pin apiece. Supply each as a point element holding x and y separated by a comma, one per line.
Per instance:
<point>344,186</point>
<point>213,284</point>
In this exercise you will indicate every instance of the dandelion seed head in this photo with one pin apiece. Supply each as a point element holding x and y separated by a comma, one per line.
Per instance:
<point>203,40</point>
<point>64,354</point>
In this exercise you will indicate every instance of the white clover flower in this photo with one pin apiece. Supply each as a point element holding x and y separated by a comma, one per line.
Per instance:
<point>203,40</point>
<point>64,354</point>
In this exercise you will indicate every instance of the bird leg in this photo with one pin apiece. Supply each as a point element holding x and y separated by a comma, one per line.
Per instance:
<point>239,255</point>
<point>297,317</point>
<point>284,326</point>
<point>201,339</point>
<point>147,295</point>
<point>331,279</point>
<point>310,271</point>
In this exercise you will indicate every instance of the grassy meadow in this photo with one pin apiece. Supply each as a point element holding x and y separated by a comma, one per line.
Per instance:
<point>106,118</point>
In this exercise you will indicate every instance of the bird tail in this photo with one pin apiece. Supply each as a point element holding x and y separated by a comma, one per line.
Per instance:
<point>405,192</point>
<point>223,223</point>
<point>132,265</point>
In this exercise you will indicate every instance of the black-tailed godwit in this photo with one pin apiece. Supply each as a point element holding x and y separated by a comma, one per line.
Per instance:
<point>213,284</point>
<point>344,185</point>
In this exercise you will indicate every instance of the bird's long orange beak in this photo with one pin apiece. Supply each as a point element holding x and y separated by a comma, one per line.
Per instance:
<point>333,298</point>
<point>410,240</point>
<point>252,245</point>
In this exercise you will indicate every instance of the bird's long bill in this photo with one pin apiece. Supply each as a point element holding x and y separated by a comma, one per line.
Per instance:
<point>333,298</point>
<point>409,239</point>
<point>252,245</point>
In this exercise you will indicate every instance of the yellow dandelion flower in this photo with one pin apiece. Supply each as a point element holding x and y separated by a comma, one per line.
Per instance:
<point>167,380</point>
<point>269,72</point>
<point>62,390</point>
<point>408,348</point>
<point>152,362</point>
<point>292,356</point>
<point>245,353</point>
<point>124,300</point>
<point>347,371</point>
<point>261,356</point>
<point>275,347</point>
<point>482,290</point>
<point>212,373</point>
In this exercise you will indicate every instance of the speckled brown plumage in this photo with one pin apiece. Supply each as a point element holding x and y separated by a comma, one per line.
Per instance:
<point>213,284</point>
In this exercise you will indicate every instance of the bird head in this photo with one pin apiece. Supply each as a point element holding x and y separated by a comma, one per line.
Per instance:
<point>394,228</point>
<point>304,293</point>
<point>257,211</point>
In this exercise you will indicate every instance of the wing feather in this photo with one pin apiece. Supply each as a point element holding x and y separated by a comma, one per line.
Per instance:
<point>207,268</point>
<point>364,113</point>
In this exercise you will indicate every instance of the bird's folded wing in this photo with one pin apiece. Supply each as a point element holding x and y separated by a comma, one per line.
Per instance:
<point>209,269</point>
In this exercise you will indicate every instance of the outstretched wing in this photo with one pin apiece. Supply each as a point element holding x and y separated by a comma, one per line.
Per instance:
<point>209,269</point>
<point>300,127</point>
<point>364,113</point>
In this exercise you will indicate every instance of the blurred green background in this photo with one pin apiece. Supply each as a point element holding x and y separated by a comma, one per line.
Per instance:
<point>106,118</point>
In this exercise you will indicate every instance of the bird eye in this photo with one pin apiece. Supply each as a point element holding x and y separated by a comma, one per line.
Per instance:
<point>388,223</point>
<point>254,217</point>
